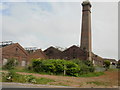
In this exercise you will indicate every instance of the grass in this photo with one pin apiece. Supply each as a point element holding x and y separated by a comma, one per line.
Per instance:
<point>14,77</point>
<point>44,80</point>
<point>22,69</point>
<point>60,84</point>
<point>0,68</point>
<point>94,74</point>
<point>98,83</point>
<point>113,69</point>
<point>0,76</point>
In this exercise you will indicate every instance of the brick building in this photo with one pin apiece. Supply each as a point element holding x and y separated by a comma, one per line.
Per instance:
<point>112,61</point>
<point>37,54</point>
<point>97,60</point>
<point>74,52</point>
<point>53,53</point>
<point>15,50</point>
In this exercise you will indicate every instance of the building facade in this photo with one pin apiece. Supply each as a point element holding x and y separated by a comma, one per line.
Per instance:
<point>53,53</point>
<point>16,51</point>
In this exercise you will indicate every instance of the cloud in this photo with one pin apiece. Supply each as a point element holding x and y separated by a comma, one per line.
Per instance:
<point>59,24</point>
<point>58,0</point>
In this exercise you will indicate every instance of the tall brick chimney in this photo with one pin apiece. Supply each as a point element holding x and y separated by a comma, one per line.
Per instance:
<point>86,28</point>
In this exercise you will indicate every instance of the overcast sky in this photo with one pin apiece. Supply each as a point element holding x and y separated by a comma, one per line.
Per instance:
<point>45,24</point>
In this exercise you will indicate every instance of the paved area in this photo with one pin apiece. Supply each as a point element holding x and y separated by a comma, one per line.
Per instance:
<point>21,85</point>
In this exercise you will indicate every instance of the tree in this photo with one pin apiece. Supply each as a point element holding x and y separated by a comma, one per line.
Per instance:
<point>107,64</point>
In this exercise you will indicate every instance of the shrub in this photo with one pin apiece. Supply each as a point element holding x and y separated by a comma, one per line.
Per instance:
<point>72,68</point>
<point>37,65</point>
<point>11,64</point>
<point>59,66</point>
<point>49,67</point>
<point>85,66</point>
<point>107,64</point>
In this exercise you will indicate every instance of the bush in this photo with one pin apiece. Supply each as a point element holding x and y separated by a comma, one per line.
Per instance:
<point>59,66</point>
<point>72,68</point>
<point>37,65</point>
<point>85,66</point>
<point>11,64</point>
<point>52,66</point>
<point>107,64</point>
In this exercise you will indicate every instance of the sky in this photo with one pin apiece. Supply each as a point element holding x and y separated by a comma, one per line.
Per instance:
<point>45,24</point>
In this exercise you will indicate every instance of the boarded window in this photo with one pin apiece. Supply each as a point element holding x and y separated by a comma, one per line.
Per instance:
<point>23,63</point>
<point>4,61</point>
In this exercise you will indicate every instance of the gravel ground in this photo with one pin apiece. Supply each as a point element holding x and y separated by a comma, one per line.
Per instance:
<point>21,85</point>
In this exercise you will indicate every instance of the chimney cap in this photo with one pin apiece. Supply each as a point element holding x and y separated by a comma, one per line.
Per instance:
<point>86,2</point>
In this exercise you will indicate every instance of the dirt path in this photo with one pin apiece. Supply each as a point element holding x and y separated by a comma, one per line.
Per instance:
<point>110,79</point>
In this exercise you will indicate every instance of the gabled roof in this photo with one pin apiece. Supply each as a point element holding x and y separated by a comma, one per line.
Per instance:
<point>52,48</point>
<point>73,47</point>
<point>7,48</point>
<point>38,54</point>
<point>99,58</point>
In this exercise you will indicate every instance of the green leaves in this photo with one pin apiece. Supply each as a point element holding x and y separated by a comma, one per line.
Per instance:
<point>107,64</point>
<point>57,66</point>
<point>12,62</point>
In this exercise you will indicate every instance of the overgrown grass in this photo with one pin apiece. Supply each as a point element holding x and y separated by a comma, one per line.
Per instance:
<point>98,83</point>
<point>0,68</point>
<point>0,76</point>
<point>113,69</point>
<point>14,77</point>
<point>94,74</point>
<point>43,81</point>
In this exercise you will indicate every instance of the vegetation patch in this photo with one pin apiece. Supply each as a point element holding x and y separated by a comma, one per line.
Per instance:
<point>11,64</point>
<point>113,69</point>
<point>59,84</point>
<point>11,76</point>
<point>94,74</point>
<point>106,64</point>
<point>98,83</point>
<point>61,67</point>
